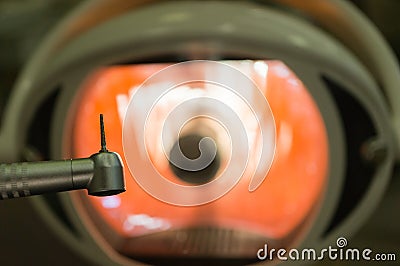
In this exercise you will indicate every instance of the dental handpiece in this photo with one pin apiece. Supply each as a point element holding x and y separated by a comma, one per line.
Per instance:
<point>101,174</point>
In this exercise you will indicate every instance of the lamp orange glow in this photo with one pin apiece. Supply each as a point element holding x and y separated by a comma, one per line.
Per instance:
<point>293,187</point>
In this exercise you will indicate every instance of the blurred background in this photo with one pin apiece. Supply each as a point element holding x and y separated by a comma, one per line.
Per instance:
<point>24,23</point>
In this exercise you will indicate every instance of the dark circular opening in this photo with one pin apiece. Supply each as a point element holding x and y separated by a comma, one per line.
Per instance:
<point>188,146</point>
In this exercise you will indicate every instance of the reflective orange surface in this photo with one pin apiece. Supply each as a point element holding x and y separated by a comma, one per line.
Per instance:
<point>293,186</point>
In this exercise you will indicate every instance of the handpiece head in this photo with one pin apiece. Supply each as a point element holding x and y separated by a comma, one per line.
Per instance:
<point>108,176</point>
